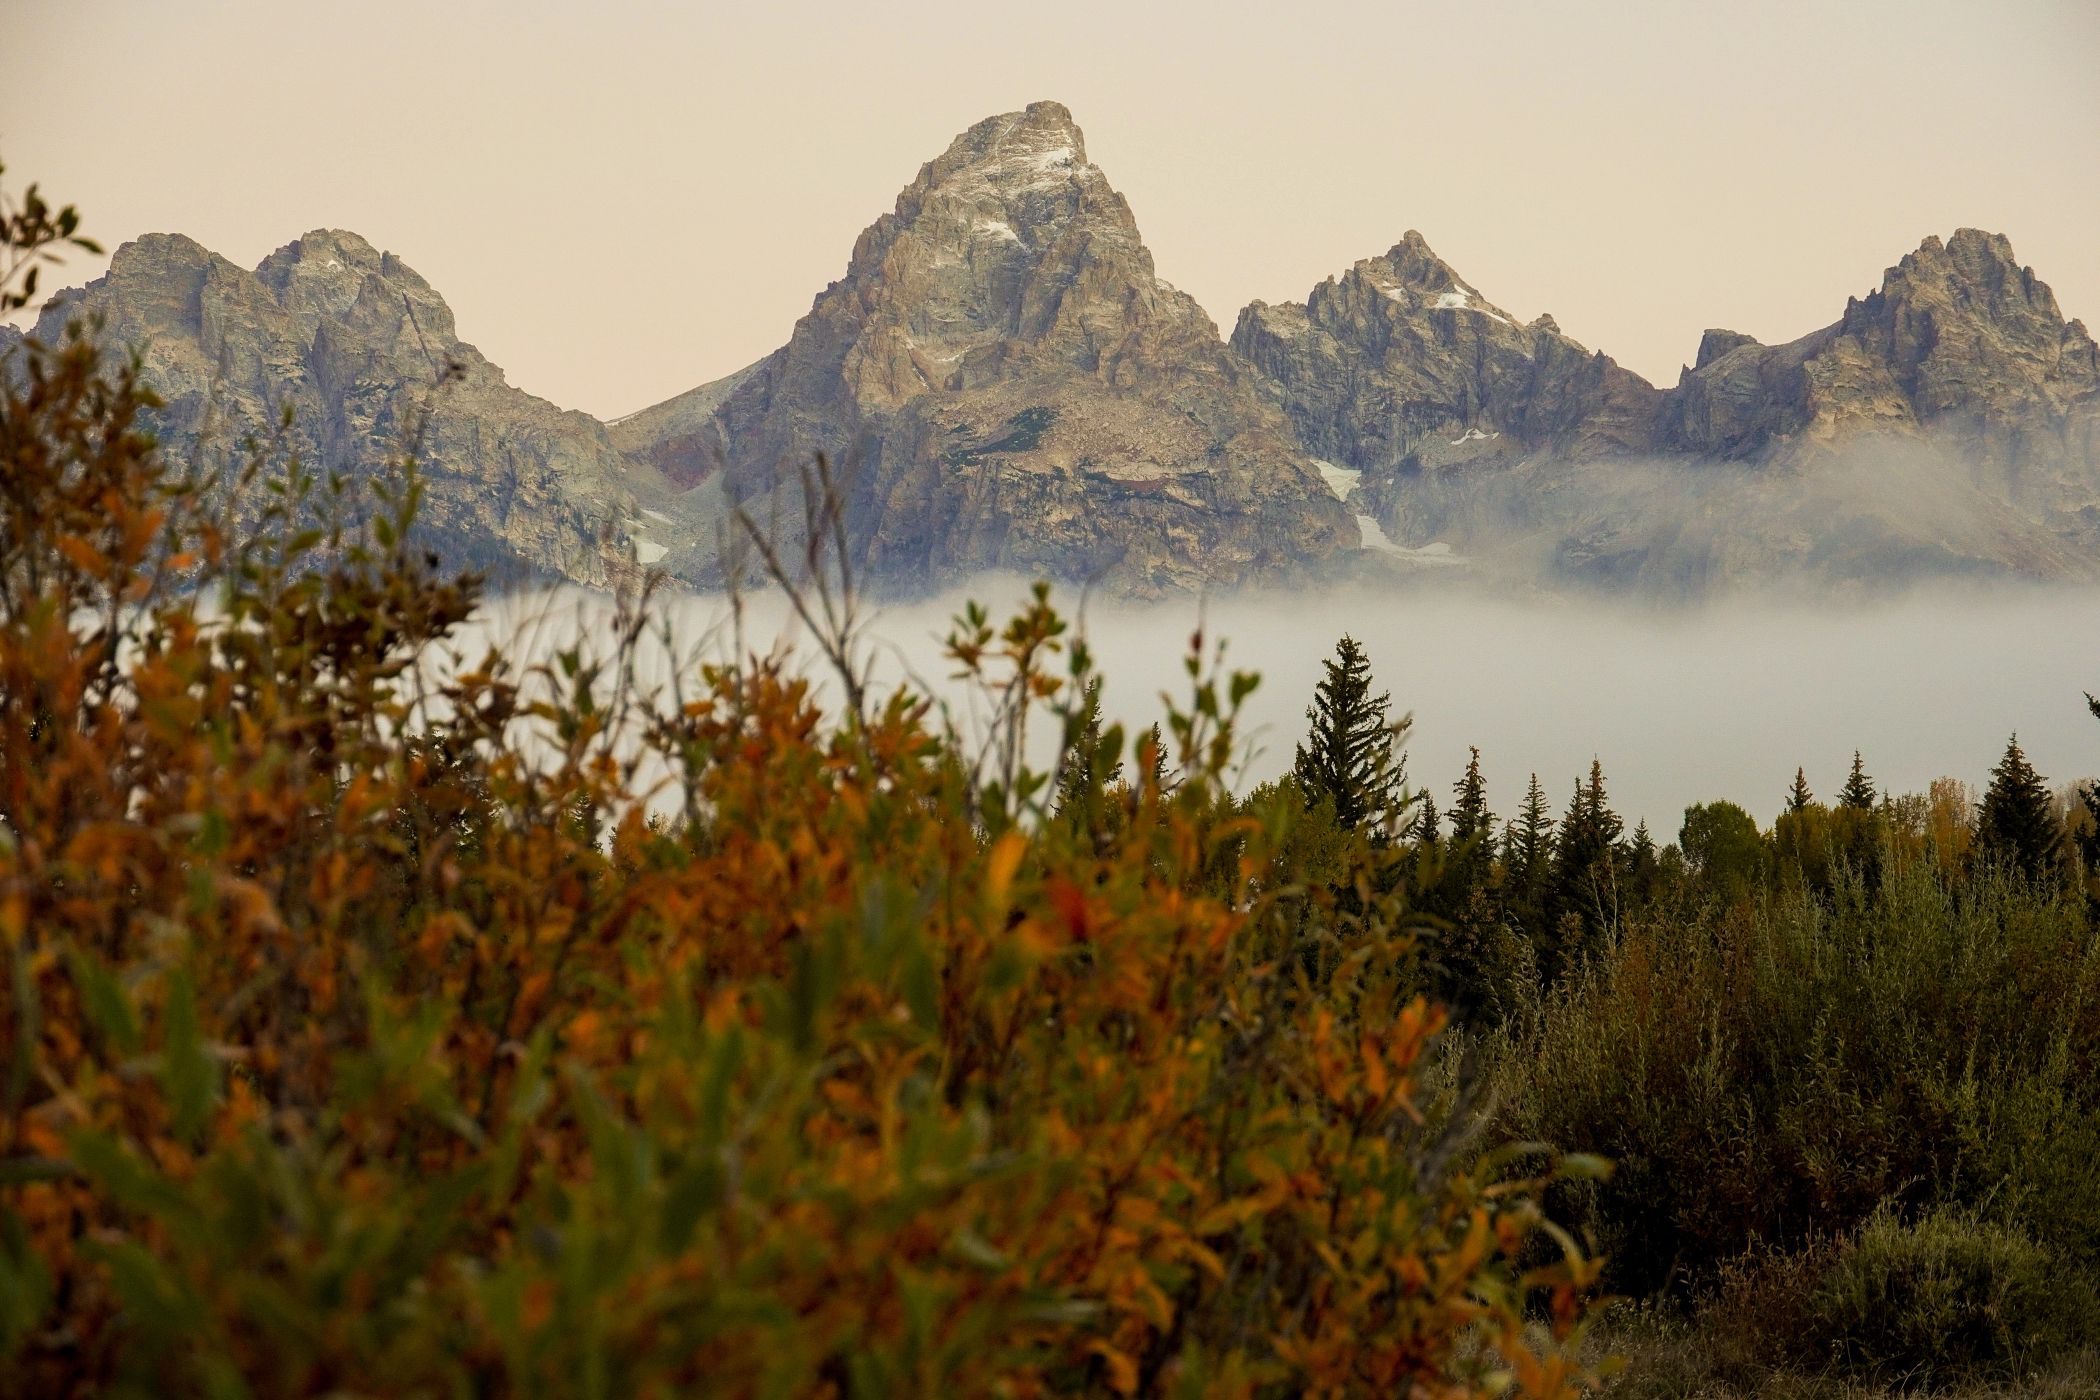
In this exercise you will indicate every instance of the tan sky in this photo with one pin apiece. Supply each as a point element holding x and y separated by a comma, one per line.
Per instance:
<point>622,200</point>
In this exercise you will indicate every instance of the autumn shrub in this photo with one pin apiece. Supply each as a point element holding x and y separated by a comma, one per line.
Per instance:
<point>365,1033</point>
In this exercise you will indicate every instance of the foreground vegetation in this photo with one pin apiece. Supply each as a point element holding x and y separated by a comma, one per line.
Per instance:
<point>368,1036</point>
<point>377,1029</point>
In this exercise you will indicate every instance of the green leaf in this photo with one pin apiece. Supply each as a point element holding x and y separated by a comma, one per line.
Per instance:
<point>188,1072</point>
<point>108,1007</point>
<point>694,1192</point>
<point>151,1298</point>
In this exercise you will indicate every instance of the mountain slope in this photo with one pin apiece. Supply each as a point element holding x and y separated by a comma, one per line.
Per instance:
<point>356,345</point>
<point>1001,381</point>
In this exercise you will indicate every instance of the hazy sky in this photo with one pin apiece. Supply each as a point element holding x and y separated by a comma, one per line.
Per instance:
<point>622,200</point>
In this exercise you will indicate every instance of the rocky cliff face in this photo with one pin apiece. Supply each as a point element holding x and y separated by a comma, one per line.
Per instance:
<point>1400,359</point>
<point>1000,381</point>
<point>366,357</point>
<point>1945,425</point>
<point>1961,351</point>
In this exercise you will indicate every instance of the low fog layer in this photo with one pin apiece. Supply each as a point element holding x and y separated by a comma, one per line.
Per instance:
<point>1720,702</point>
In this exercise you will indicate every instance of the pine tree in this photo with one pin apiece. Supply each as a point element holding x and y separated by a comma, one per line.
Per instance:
<point>1799,797</point>
<point>1426,825</point>
<point>1152,752</point>
<point>1528,839</point>
<point>1582,898</point>
<point>1351,755</point>
<point>1527,857</point>
<point>1643,865</point>
<point>2018,826</point>
<point>1470,818</point>
<point>1858,791</point>
<point>1092,763</point>
<point>1472,829</point>
<point>2089,839</point>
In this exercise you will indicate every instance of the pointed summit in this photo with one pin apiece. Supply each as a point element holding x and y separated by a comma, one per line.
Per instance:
<point>1400,364</point>
<point>1415,264</point>
<point>1959,340</point>
<point>1963,324</point>
<point>1001,381</point>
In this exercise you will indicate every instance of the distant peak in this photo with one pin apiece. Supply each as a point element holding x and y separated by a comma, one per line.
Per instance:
<point>1048,113</point>
<point>1716,343</point>
<point>321,250</point>
<point>1980,243</point>
<point>158,247</point>
<point>1974,266</point>
<point>324,241</point>
<point>1041,139</point>
<point>1974,253</point>
<point>1415,263</point>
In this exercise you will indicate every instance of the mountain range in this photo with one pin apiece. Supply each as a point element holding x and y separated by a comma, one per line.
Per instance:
<point>1001,381</point>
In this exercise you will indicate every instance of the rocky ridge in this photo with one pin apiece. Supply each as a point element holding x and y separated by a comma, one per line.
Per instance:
<point>1946,424</point>
<point>365,355</point>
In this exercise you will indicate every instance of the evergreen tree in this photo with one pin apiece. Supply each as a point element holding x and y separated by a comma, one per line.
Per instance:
<point>1152,753</point>
<point>1472,829</point>
<point>1527,857</point>
<point>2089,838</point>
<point>1093,761</point>
<point>1643,865</point>
<point>1426,825</point>
<point>2018,826</point>
<point>1858,792</point>
<point>1798,798</point>
<point>1528,839</point>
<point>1583,895</point>
<point>1351,755</point>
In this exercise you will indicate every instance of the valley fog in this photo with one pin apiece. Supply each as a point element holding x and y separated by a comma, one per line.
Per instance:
<point>1719,702</point>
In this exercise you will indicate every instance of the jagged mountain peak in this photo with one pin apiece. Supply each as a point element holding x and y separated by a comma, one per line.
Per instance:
<point>1400,360</point>
<point>1716,343</point>
<point>1413,263</point>
<point>1975,272</point>
<point>1001,380</point>
<point>326,274</point>
<point>1011,178</point>
<point>1041,142</point>
<point>364,356</point>
<point>1409,276</point>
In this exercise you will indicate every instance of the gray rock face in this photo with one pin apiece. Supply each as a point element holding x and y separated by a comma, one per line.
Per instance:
<point>1960,345</point>
<point>1401,360</point>
<point>1000,381</point>
<point>1948,424</point>
<point>355,344</point>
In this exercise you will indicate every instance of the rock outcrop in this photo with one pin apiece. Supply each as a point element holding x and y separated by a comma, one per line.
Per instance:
<point>365,356</point>
<point>1400,360</point>
<point>1001,382</point>
<point>1947,424</point>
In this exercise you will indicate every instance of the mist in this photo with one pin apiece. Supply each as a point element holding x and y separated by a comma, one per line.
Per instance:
<point>1719,701</point>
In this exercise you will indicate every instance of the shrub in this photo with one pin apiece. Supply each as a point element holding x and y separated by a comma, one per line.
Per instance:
<point>1774,1073</point>
<point>1945,1298</point>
